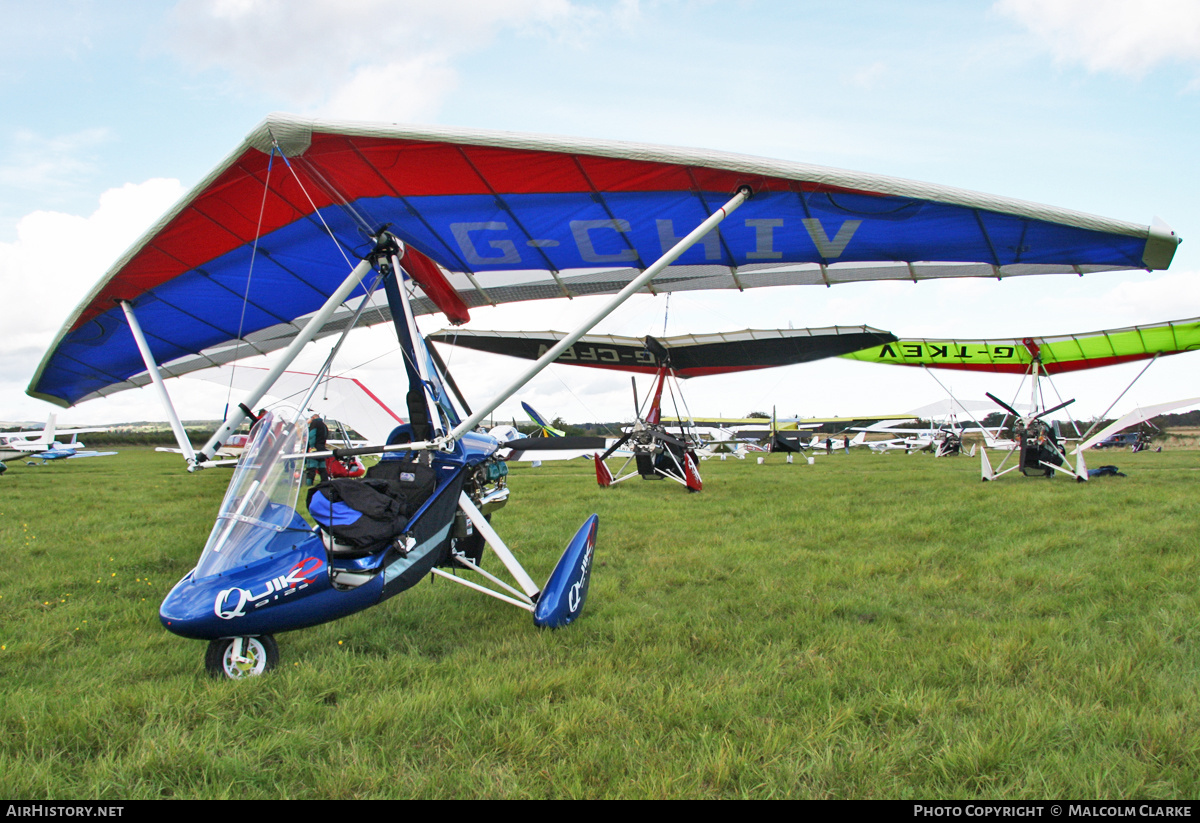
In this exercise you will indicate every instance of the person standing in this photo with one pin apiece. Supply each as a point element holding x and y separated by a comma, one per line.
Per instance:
<point>318,434</point>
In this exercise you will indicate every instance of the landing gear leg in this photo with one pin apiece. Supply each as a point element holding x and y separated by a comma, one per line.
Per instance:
<point>239,657</point>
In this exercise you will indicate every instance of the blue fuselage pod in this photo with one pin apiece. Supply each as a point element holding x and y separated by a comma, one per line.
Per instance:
<point>286,582</point>
<point>288,589</point>
<point>562,598</point>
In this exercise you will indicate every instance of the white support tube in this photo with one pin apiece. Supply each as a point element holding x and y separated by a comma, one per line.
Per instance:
<point>1118,400</point>
<point>489,534</point>
<point>236,416</point>
<point>634,285</point>
<point>673,477</point>
<point>956,403</point>
<point>1067,470</point>
<point>482,589</point>
<point>420,445</point>
<point>462,561</point>
<point>181,438</point>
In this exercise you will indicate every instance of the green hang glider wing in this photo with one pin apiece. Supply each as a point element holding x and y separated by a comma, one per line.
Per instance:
<point>1062,353</point>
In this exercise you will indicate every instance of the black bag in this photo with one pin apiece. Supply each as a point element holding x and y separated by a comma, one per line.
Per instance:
<point>360,513</point>
<point>409,482</point>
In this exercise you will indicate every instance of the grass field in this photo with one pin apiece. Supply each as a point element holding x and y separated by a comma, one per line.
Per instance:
<point>871,626</point>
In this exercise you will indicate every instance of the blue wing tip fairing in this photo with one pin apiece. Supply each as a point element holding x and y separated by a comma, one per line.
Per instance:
<point>563,596</point>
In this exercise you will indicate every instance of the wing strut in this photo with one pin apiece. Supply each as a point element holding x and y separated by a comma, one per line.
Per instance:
<point>181,438</point>
<point>633,286</point>
<point>237,415</point>
<point>1115,402</point>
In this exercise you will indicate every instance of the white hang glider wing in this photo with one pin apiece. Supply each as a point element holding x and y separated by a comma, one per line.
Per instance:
<point>1138,415</point>
<point>343,398</point>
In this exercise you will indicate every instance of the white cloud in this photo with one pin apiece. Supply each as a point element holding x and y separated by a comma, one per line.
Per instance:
<point>55,261</point>
<point>414,89</point>
<point>1130,38</point>
<point>377,59</point>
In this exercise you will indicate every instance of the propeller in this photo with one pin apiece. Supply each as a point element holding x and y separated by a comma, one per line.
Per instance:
<point>1055,408</point>
<point>620,442</point>
<point>1003,405</point>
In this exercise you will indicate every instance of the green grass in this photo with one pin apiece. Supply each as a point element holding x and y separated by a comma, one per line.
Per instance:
<point>866,627</point>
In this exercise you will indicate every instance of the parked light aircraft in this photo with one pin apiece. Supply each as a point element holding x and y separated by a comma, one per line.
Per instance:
<point>447,219</point>
<point>1039,443</point>
<point>62,453</point>
<point>664,450</point>
<point>17,444</point>
<point>656,452</point>
<point>943,439</point>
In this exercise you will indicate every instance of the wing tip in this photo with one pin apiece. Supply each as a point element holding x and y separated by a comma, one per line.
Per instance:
<point>1161,242</point>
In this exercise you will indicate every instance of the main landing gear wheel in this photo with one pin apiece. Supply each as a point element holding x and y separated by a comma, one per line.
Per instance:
<point>258,655</point>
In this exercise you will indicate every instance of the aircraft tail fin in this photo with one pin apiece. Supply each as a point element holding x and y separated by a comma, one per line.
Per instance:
<point>48,432</point>
<point>859,439</point>
<point>562,598</point>
<point>1081,470</point>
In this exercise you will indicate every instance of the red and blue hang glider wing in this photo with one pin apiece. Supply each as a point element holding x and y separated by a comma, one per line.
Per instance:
<point>236,267</point>
<point>692,355</point>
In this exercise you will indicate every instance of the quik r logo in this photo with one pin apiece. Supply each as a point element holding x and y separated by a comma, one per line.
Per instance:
<point>231,603</point>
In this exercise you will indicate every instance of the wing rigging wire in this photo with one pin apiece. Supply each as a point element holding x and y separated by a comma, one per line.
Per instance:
<point>262,206</point>
<point>324,374</point>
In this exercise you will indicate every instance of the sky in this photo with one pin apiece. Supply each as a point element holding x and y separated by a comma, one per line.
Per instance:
<point>113,111</point>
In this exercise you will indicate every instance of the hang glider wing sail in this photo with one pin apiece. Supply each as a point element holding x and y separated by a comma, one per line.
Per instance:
<point>343,398</point>
<point>692,355</point>
<point>1138,415</point>
<point>1064,353</point>
<point>254,251</point>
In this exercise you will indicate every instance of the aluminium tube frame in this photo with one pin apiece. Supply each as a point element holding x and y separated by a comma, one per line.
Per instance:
<point>181,438</point>
<point>634,285</point>
<point>237,415</point>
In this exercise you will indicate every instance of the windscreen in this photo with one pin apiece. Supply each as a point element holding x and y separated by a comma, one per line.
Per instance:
<point>261,500</point>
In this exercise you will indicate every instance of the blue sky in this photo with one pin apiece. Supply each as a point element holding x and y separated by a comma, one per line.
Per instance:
<point>113,110</point>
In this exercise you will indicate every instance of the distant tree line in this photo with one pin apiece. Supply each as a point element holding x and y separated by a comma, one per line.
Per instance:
<point>198,435</point>
<point>145,437</point>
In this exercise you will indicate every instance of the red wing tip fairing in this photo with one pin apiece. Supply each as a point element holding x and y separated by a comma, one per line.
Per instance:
<point>690,355</point>
<point>494,217</point>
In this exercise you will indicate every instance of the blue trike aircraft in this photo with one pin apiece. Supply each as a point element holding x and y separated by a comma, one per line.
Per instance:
<point>293,236</point>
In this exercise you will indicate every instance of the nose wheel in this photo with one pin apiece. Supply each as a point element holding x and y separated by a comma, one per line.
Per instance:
<point>240,657</point>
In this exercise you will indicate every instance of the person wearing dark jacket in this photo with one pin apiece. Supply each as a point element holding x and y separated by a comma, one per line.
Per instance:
<point>318,434</point>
